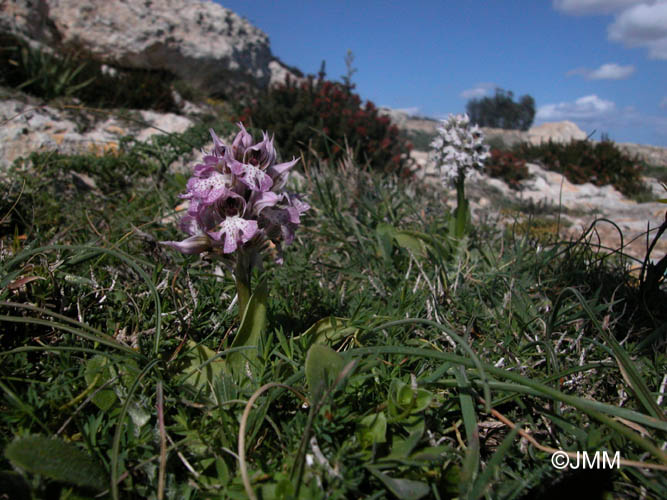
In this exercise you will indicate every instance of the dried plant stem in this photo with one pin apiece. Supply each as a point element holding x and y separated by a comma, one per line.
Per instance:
<point>548,449</point>
<point>163,441</point>
<point>244,422</point>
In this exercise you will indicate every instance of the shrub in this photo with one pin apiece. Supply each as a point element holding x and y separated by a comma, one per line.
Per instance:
<point>507,166</point>
<point>73,74</point>
<point>40,73</point>
<point>581,161</point>
<point>500,111</point>
<point>322,118</point>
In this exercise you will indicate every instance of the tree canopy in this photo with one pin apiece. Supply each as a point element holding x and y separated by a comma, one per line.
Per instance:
<point>500,111</point>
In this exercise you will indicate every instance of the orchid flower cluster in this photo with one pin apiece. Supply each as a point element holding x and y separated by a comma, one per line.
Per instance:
<point>237,201</point>
<point>458,148</point>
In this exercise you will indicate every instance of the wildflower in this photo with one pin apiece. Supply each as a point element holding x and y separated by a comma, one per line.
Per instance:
<point>237,202</point>
<point>458,148</point>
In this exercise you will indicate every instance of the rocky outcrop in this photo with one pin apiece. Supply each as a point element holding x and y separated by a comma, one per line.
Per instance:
<point>28,128</point>
<point>552,131</point>
<point>199,41</point>
<point>555,131</point>
<point>653,155</point>
<point>576,206</point>
<point>564,131</point>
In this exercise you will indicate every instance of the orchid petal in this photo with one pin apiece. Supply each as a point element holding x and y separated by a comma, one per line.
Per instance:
<point>218,146</point>
<point>260,200</point>
<point>253,177</point>
<point>192,245</point>
<point>210,189</point>
<point>188,224</point>
<point>235,231</point>
<point>242,141</point>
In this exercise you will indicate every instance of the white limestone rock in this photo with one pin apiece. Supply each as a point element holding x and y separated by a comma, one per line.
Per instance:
<point>199,41</point>
<point>27,128</point>
<point>564,131</point>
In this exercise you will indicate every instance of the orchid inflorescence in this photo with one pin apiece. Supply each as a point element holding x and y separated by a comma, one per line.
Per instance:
<point>458,147</point>
<point>237,201</point>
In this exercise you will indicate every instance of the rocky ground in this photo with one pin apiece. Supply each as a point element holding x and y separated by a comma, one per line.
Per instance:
<point>27,127</point>
<point>175,35</point>
<point>550,197</point>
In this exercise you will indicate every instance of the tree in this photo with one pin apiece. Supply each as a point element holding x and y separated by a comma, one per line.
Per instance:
<point>500,111</point>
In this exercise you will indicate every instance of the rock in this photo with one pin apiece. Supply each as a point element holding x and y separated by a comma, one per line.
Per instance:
<point>280,72</point>
<point>564,131</point>
<point>200,42</point>
<point>575,205</point>
<point>161,123</point>
<point>552,131</point>
<point>503,138</point>
<point>653,155</point>
<point>397,117</point>
<point>27,128</point>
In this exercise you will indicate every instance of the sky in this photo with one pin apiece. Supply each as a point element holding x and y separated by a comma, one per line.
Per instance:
<point>599,63</point>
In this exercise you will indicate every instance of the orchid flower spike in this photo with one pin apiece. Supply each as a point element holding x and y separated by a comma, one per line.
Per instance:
<point>237,201</point>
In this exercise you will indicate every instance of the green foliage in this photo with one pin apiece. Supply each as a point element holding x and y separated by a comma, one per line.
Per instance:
<point>57,460</point>
<point>41,73</point>
<point>322,119</point>
<point>420,139</point>
<point>405,489</point>
<point>322,367</point>
<point>73,74</point>
<point>500,111</point>
<point>251,330</point>
<point>506,166</point>
<point>601,163</point>
<point>557,333</point>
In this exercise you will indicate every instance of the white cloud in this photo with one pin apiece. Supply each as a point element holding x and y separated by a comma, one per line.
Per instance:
<point>610,71</point>
<point>663,103</point>
<point>480,90</point>
<point>643,25</point>
<point>592,113</point>
<point>586,109</point>
<point>637,23</point>
<point>580,7</point>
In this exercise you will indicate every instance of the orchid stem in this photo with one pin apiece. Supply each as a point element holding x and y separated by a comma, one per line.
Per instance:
<point>461,206</point>
<point>243,275</point>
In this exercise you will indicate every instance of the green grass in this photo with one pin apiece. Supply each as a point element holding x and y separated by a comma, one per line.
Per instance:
<point>106,334</point>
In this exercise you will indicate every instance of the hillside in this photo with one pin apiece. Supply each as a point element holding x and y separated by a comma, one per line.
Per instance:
<point>215,287</point>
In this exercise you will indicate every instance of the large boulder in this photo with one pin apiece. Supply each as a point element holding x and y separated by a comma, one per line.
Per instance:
<point>564,131</point>
<point>199,41</point>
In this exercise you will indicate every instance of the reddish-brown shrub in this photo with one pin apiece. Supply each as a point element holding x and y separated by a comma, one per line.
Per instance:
<point>319,118</point>
<point>506,166</point>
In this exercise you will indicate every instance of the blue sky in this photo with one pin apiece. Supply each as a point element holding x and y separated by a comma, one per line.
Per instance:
<point>599,63</point>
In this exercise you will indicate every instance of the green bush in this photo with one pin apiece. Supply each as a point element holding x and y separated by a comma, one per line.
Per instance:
<point>506,166</point>
<point>580,161</point>
<point>420,139</point>
<point>72,74</point>
<point>321,119</point>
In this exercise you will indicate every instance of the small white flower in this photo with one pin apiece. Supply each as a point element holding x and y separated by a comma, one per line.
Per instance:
<point>458,147</point>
